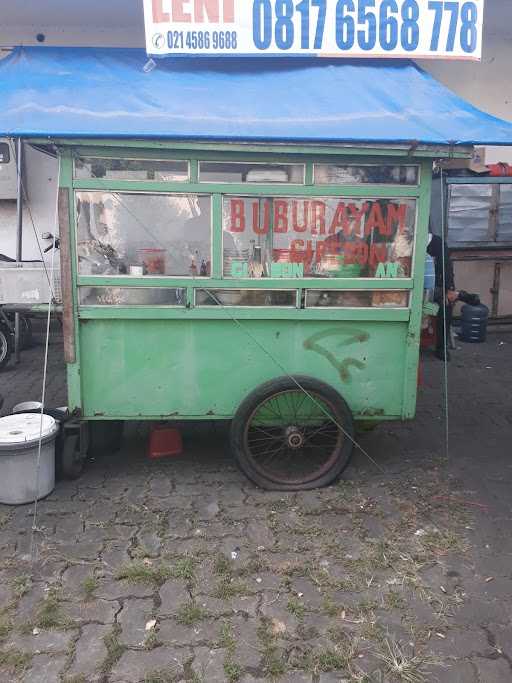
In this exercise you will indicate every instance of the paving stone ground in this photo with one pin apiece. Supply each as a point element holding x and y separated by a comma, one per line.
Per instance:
<point>184,571</point>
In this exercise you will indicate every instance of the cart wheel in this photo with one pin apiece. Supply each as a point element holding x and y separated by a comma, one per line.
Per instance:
<point>5,345</point>
<point>290,439</point>
<point>71,463</point>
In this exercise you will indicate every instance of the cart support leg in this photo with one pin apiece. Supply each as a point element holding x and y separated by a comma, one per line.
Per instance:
<point>19,243</point>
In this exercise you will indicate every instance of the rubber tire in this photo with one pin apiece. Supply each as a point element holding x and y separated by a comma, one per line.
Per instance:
<point>7,339</point>
<point>265,391</point>
<point>70,463</point>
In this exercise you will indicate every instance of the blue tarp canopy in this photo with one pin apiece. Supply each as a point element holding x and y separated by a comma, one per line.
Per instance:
<point>107,93</point>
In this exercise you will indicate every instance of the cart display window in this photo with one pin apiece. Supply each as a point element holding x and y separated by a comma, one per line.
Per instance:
<point>246,297</point>
<point>346,174</point>
<point>356,299</point>
<point>132,296</point>
<point>237,172</point>
<point>143,234</point>
<point>131,169</point>
<point>330,237</point>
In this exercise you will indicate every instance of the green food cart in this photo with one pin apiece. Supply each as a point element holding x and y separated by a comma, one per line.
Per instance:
<point>264,262</point>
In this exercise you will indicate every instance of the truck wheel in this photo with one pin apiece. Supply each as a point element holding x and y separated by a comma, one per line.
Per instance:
<point>5,346</point>
<point>287,438</point>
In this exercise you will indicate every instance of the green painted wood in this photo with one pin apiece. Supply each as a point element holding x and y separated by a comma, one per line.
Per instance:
<point>205,369</point>
<point>72,369</point>
<point>250,283</point>
<point>194,171</point>
<point>249,189</point>
<point>247,313</point>
<point>217,256</point>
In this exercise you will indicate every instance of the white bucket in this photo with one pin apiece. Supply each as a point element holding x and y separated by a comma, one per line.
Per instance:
<point>19,445</point>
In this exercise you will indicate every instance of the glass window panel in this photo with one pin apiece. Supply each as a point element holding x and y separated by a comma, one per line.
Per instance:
<point>143,234</point>
<point>245,297</point>
<point>318,237</point>
<point>337,174</point>
<point>468,213</point>
<point>131,169</point>
<point>357,299</point>
<point>132,296</point>
<point>504,232</point>
<point>236,172</point>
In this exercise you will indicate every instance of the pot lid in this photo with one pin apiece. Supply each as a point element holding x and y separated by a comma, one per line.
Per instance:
<point>16,429</point>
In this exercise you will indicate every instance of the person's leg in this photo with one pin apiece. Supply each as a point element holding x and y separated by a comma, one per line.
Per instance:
<point>445,313</point>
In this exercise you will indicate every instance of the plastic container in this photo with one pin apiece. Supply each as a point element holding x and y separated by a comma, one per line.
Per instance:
<point>19,445</point>
<point>164,442</point>
<point>473,322</point>
<point>153,261</point>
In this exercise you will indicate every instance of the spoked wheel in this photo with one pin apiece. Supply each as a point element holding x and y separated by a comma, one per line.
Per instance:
<point>5,345</point>
<point>288,438</point>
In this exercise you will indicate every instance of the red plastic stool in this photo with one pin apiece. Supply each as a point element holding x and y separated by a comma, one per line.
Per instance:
<point>164,442</point>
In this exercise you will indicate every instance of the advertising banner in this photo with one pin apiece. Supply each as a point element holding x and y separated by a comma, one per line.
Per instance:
<point>439,29</point>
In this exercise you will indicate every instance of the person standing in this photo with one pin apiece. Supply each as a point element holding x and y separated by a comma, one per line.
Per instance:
<point>445,293</point>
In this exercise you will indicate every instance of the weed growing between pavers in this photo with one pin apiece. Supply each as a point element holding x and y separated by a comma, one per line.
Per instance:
<point>151,641</point>
<point>222,565</point>
<point>21,585</point>
<point>14,661</point>
<point>5,627</point>
<point>190,614</point>
<point>226,639</point>
<point>114,647</point>
<point>49,614</point>
<point>184,568</point>
<point>274,663</point>
<point>404,663</point>
<point>161,676</point>
<point>296,608</point>
<point>142,572</point>
<point>89,585</point>
<point>76,678</point>
<point>232,670</point>
<point>228,588</point>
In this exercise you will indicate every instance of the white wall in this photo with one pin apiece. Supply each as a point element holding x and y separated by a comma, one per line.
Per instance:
<point>486,84</point>
<point>95,23</point>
